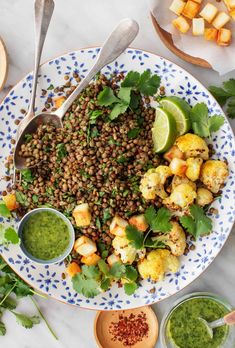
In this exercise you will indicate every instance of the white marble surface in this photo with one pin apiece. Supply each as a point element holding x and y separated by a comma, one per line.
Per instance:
<point>76,24</point>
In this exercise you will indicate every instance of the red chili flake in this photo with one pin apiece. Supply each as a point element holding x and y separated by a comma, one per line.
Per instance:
<point>129,329</point>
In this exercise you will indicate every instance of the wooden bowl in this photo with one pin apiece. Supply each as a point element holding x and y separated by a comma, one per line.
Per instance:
<point>3,64</point>
<point>104,319</point>
<point>166,38</point>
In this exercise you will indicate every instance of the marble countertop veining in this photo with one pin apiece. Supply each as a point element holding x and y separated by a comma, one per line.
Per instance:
<point>78,24</point>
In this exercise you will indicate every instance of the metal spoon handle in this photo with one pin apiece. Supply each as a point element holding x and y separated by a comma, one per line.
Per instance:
<point>117,42</point>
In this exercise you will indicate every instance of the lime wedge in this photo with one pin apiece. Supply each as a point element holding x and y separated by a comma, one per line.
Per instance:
<point>163,131</point>
<point>180,109</point>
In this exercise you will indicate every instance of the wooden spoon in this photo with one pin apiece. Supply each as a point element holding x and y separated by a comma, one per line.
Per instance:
<point>168,41</point>
<point>3,64</point>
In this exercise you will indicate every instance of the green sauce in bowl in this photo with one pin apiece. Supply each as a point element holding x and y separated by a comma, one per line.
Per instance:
<point>46,235</point>
<point>184,329</point>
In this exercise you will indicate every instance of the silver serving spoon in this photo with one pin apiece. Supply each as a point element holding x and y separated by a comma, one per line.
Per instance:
<point>117,42</point>
<point>228,319</point>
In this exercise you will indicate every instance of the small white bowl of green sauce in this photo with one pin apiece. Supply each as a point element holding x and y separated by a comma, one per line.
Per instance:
<point>181,328</point>
<point>46,235</point>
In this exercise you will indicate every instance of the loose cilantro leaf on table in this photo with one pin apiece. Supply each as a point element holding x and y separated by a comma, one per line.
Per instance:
<point>25,320</point>
<point>135,237</point>
<point>225,94</point>
<point>158,221</point>
<point>202,124</point>
<point>198,224</point>
<point>2,329</point>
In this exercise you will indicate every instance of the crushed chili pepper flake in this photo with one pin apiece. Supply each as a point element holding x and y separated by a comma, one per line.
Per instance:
<point>129,329</point>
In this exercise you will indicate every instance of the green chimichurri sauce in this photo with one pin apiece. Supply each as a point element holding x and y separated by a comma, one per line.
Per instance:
<point>185,330</point>
<point>45,235</point>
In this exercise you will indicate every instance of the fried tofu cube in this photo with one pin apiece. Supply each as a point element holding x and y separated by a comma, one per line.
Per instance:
<point>177,7</point>
<point>181,24</point>
<point>191,9</point>
<point>230,4</point>
<point>118,226</point>
<point>198,1</point>
<point>209,12</point>
<point>59,101</point>
<point>220,20</point>
<point>198,26</point>
<point>82,215</point>
<point>224,37</point>
<point>178,167</point>
<point>211,34</point>
<point>139,222</point>
<point>72,269</point>
<point>85,246</point>
<point>113,259</point>
<point>90,260</point>
<point>174,152</point>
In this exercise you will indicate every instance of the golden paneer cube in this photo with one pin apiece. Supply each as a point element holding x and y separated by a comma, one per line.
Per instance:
<point>198,26</point>
<point>191,9</point>
<point>198,1</point>
<point>82,215</point>
<point>211,34</point>
<point>139,222</point>
<point>85,246</point>
<point>181,24</point>
<point>209,12</point>
<point>232,14</point>
<point>72,269</point>
<point>224,37</point>
<point>90,260</point>
<point>220,20</point>
<point>113,259</point>
<point>230,4</point>
<point>177,7</point>
<point>178,166</point>
<point>118,226</point>
<point>174,152</point>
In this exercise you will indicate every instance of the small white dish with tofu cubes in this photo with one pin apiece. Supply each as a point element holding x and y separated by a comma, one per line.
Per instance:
<point>205,19</point>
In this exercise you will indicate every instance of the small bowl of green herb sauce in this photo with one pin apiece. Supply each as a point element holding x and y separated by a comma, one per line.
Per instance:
<point>47,236</point>
<point>182,328</point>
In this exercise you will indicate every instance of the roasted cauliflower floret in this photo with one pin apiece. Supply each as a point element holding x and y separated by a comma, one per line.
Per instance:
<point>193,146</point>
<point>181,197</point>
<point>157,263</point>
<point>178,180</point>
<point>122,248</point>
<point>204,197</point>
<point>175,239</point>
<point>213,174</point>
<point>193,168</point>
<point>152,184</point>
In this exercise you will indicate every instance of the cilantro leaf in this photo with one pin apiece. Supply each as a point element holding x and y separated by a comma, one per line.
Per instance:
<point>154,244</point>
<point>148,85</point>
<point>202,124</point>
<point>222,95</point>
<point>21,198</point>
<point>158,221</point>
<point>61,151</point>
<point>219,94</point>
<point>117,270</point>
<point>27,175</point>
<point>25,320</point>
<point>131,273</point>
<point>4,211</point>
<point>131,79</point>
<point>229,87</point>
<point>118,109</point>
<point>130,288</point>
<point>103,267</point>
<point>135,237</point>
<point>91,272</point>
<point>105,284</point>
<point>106,97</point>
<point>94,115</point>
<point>198,224</point>
<point>106,215</point>
<point>86,285</point>
<point>11,236</point>
<point>125,95</point>
<point>231,108</point>
<point>2,329</point>
<point>133,133</point>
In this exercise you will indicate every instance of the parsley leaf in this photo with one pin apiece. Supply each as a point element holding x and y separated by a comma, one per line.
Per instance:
<point>202,124</point>
<point>135,237</point>
<point>198,224</point>
<point>4,211</point>
<point>130,288</point>
<point>26,321</point>
<point>158,221</point>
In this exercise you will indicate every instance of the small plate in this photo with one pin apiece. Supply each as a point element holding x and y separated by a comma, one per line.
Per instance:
<point>3,64</point>
<point>104,319</point>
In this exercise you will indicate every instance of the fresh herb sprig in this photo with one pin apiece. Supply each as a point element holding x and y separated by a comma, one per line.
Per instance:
<point>11,284</point>
<point>225,95</point>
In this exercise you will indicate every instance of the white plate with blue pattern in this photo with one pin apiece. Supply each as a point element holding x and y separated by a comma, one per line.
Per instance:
<point>177,82</point>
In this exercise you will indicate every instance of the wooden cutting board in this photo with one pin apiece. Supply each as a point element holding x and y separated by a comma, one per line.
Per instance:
<point>3,64</point>
<point>168,42</point>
